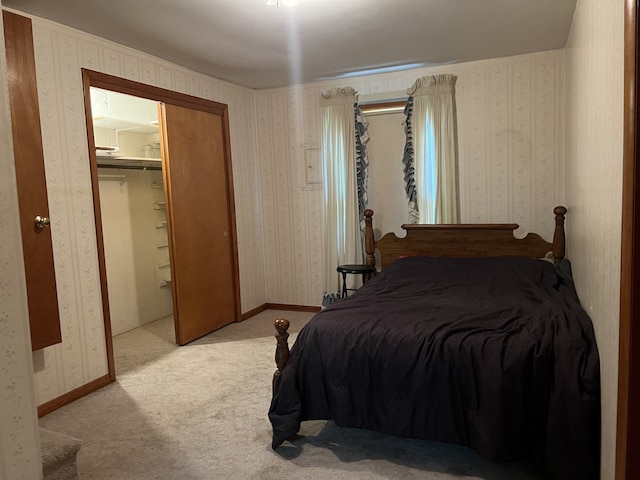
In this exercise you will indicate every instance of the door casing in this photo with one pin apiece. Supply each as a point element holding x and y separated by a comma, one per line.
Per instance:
<point>628,415</point>
<point>92,78</point>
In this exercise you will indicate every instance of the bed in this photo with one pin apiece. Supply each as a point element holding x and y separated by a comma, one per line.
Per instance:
<point>469,336</point>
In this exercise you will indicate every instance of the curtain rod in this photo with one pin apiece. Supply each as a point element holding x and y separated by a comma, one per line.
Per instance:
<point>380,108</point>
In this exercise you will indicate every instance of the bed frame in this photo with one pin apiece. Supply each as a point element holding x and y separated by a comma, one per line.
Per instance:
<point>450,240</point>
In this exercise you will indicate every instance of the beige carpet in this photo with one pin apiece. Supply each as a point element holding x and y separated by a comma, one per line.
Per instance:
<point>200,412</point>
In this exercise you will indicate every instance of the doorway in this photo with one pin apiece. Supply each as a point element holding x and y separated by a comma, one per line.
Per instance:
<point>134,224</point>
<point>195,165</point>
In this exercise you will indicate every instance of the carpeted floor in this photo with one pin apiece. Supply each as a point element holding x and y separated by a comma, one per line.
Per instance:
<point>200,412</point>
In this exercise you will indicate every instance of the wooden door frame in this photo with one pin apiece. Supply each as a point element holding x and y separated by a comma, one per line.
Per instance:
<point>91,78</point>
<point>628,415</point>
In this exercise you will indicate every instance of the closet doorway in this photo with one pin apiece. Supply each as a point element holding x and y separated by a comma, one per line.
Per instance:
<point>177,162</point>
<point>133,207</point>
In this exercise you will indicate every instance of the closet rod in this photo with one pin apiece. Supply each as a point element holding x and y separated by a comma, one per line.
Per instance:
<point>129,167</point>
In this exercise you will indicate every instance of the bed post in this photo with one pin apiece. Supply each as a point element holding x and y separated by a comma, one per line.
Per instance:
<point>282,349</point>
<point>369,242</point>
<point>558,234</point>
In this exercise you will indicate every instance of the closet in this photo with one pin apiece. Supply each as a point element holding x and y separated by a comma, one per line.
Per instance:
<point>164,207</point>
<point>133,207</point>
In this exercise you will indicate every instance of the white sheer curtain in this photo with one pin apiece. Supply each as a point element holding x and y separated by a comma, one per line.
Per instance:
<point>342,242</point>
<point>435,146</point>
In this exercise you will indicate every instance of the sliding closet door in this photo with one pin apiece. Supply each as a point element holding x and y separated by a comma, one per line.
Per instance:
<point>199,220</point>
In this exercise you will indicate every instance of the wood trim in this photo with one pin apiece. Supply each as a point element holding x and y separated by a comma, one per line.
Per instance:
<point>279,306</point>
<point>97,212</point>
<point>293,308</point>
<point>137,89</point>
<point>253,312</point>
<point>73,395</point>
<point>627,463</point>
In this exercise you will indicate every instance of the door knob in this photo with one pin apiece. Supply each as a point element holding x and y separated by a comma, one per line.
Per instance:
<point>41,222</point>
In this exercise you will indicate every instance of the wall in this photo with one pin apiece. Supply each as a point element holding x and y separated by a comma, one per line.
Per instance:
<point>19,441</point>
<point>61,52</point>
<point>511,146</point>
<point>135,243</point>
<point>595,67</point>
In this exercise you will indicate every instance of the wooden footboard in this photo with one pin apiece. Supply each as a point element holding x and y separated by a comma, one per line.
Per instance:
<point>282,349</point>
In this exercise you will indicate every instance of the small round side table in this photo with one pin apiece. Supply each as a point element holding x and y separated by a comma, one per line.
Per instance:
<point>364,270</point>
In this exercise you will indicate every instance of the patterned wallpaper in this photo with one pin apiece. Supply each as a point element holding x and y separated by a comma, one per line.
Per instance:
<point>19,442</point>
<point>511,152</point>
<point>511,128</point>
<point>511,148</point>
<point>60,54</point>
<point>595,71</point>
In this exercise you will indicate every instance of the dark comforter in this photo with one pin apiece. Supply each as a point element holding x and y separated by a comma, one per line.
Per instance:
<point>495,354</point>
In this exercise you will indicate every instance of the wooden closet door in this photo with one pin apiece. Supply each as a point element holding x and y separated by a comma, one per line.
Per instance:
<point>199,221</point>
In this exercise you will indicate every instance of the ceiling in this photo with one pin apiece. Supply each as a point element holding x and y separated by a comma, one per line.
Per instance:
<point>249,43</point>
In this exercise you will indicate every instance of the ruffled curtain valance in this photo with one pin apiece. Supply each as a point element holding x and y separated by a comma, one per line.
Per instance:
<point>338,96</point>
<point>433,84</point>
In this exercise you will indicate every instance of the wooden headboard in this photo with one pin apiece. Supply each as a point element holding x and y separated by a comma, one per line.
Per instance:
<point>463,240</point>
